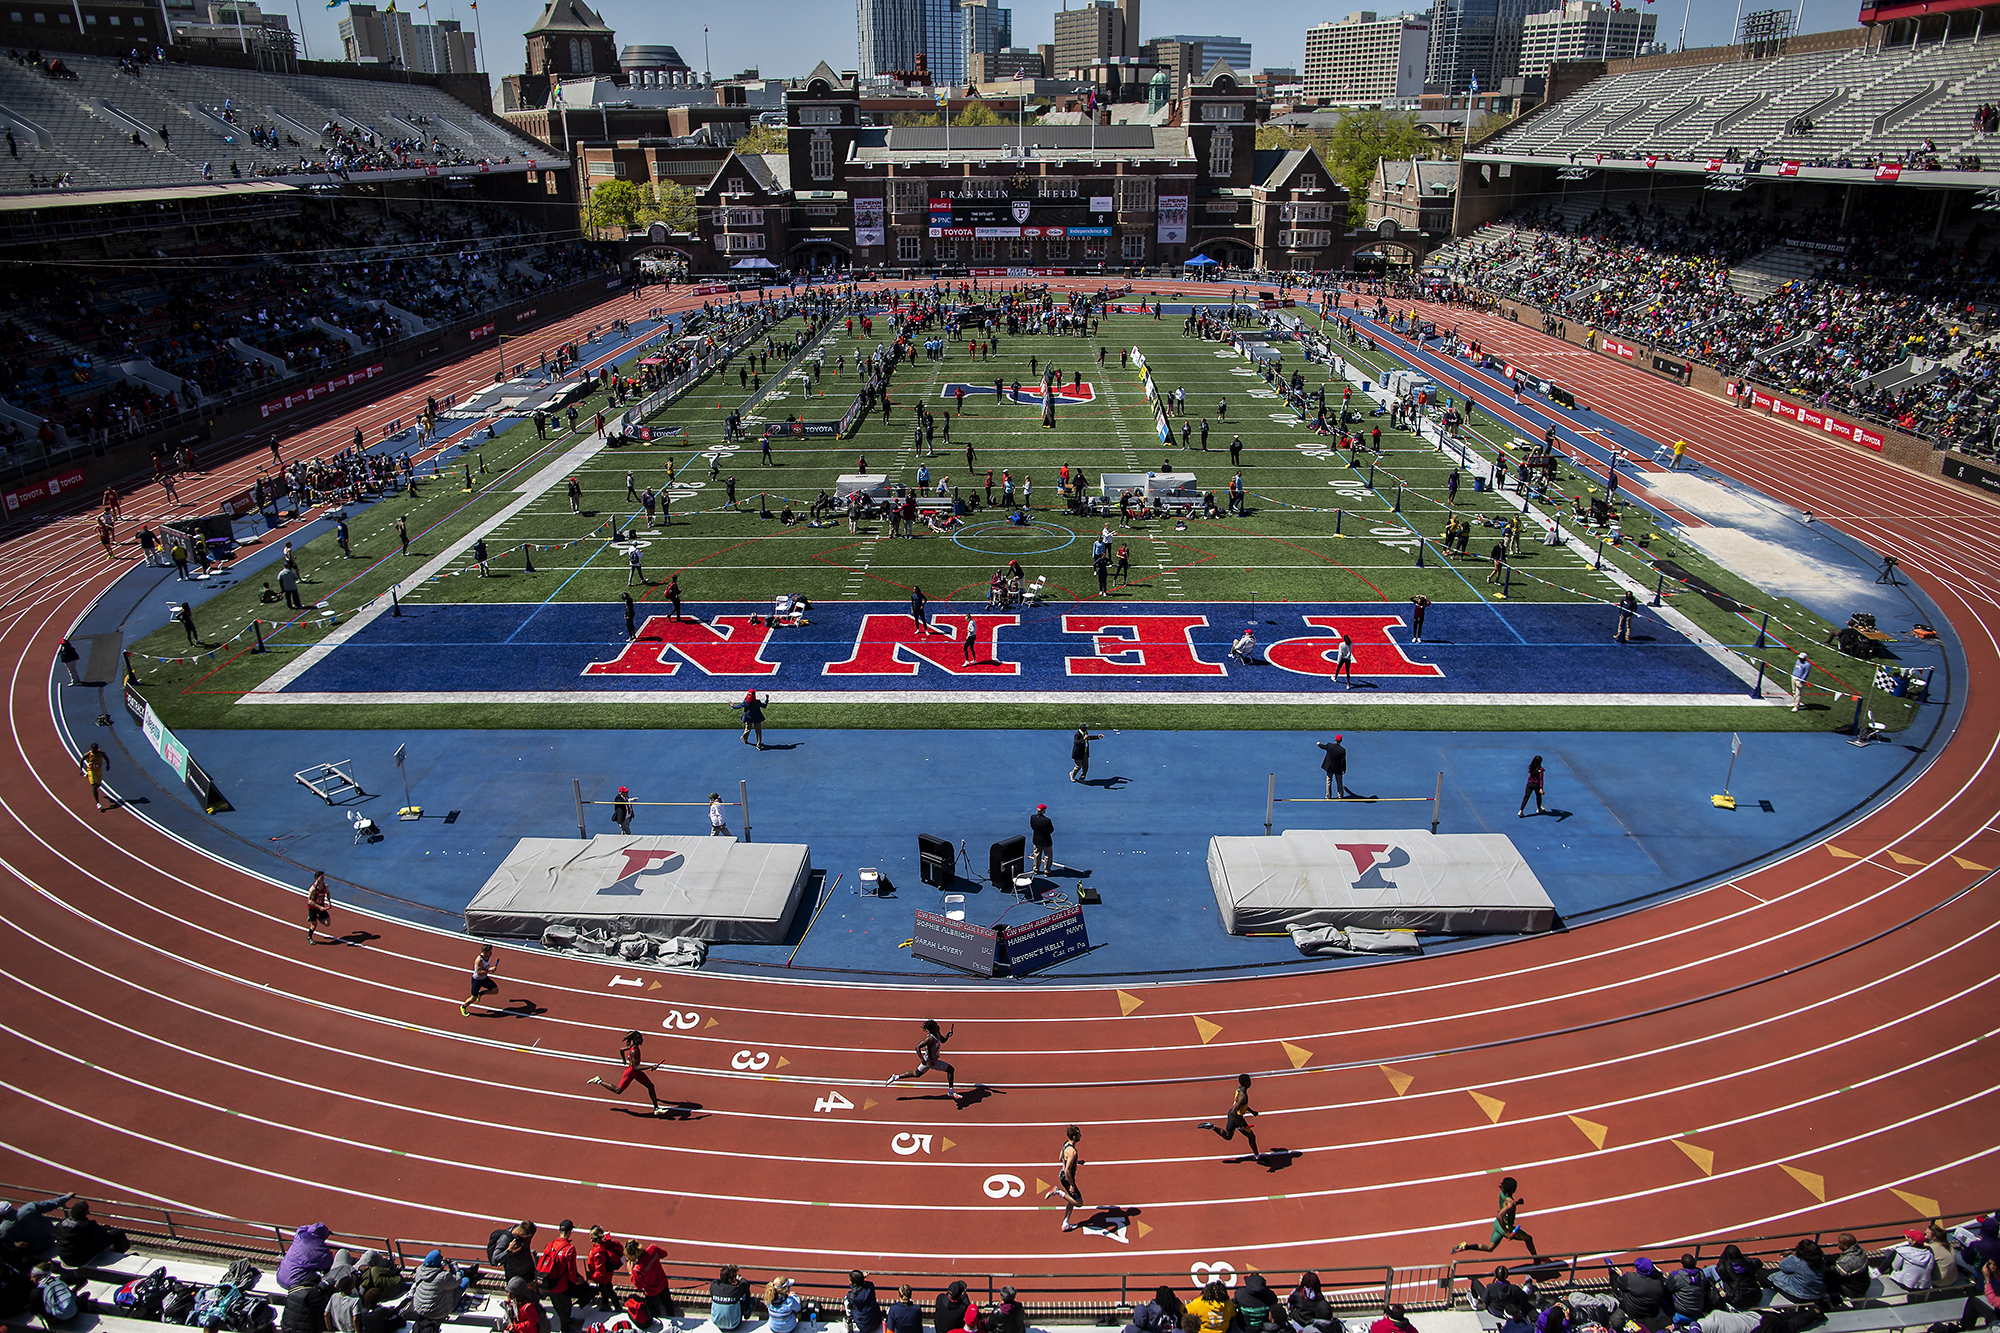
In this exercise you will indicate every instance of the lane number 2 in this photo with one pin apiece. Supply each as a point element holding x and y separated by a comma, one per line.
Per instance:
<point>680,1020</point>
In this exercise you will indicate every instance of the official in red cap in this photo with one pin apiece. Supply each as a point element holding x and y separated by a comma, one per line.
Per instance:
<point>621,811</point>
<point>1334,764</point>
<point>1043,837</point>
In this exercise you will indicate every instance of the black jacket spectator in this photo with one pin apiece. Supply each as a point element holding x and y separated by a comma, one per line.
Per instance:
<point>1689,1289</point>
<point>305,1308</point>
<point>949,1314</point>
<point>1162,1314</point>
<point>864,1312</point>
<point>1741,1278</point>
<point>1641,1293</point>
<point>81,1237</point>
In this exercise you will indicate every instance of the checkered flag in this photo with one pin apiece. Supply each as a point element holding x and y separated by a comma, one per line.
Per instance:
<point>1885,680</point>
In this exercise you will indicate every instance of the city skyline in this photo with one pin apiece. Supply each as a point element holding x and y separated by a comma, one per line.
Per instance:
<point>787,37</point>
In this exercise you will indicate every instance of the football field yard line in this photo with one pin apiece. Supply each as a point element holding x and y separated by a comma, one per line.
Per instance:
<point>1095,697</point>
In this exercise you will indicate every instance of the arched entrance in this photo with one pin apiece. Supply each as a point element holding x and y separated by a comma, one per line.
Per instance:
<point>819,254</point>
<point>1224,250</point>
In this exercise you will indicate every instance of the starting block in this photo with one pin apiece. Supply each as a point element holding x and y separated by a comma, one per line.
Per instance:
<point>327,781</point>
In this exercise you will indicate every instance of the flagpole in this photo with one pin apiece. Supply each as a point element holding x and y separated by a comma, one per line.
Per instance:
<point>480,28</point>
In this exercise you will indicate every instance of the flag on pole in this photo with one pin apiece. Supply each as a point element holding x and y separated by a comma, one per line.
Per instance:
<point>1475,82</point>
<point>1735,746</point>
<point>401,750</point>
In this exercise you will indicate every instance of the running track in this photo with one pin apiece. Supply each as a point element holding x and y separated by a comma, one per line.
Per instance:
<point>1815,1028</point>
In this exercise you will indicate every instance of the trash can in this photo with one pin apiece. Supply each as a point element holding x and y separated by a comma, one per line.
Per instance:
<point>1478,485</point>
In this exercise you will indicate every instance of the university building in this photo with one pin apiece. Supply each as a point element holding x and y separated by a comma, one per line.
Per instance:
<point>1054,199</point>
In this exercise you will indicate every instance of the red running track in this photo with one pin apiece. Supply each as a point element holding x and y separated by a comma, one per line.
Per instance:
<point>1781,1051</point>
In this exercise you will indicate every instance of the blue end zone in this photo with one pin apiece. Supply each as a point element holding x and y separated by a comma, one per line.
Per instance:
<point>1089,647</point>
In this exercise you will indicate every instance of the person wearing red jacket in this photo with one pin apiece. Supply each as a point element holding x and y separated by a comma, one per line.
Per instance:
<point>558,1272</point>
<point>650,1277</point>
<point>523,1311</point>
<point>601,1265</point>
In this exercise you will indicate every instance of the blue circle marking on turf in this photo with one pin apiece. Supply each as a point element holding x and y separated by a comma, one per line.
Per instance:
<point>1068,538</point>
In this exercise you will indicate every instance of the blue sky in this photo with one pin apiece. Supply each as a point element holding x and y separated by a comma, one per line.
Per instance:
<point>785,37</point>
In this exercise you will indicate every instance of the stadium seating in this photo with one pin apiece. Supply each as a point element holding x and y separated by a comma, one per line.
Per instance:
<point>1889,333</point>
<point>209,115</point>
<point>1855,107</point>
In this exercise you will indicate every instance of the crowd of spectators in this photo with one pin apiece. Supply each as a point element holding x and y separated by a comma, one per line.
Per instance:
<point>1876,302</point>
<point>182,302</point>
<point>550,1280</point>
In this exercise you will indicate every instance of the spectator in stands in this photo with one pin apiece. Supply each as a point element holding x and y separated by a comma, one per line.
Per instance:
<point>81,1237</point>
<point>342,1305</point>
<point>24,1231</point>
<point>649,1276</point>
<point>1213,1311</point>
<point>601,1265</point>
<point>305,1303</point>
<point>1162,1314</point>
<point>1500,1297</point>
<point>1739,1279</point>
<point>560,1277</point>
<point>435,1290</point>
<point>1848,1277</point>
<point>306,1255</point>
<point>728,1294</point>
<point>1308,1306</point>
<point>369,1316</point>
<point>1912,1266</point>
<point>1257,1305</point>
<point>1983,1246</point>
<point>1690,1289</point>
<point>523,1308</point>
<point>1641,1293</point>
<point>781,1307</point>
<point>1803,1274</point>
<point>1393,1320</point>
<point>1948,1271</point>
<point>903,1315</point>
<point>1555,1319</point>
<point>1008,1315</point>
<point>512,1251</point>
<point>377,1270</point>
<point>948,1313</point>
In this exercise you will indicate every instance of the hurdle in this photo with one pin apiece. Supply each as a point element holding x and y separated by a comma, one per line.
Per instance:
<point>1272,800</point>
<point>327,781</point>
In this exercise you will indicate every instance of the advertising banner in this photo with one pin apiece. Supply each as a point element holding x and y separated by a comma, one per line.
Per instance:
<point>41,490</point>
<point>1173,219</point>
<point>1864,436</point>
<point>868,222</point>
<point>300,397</point>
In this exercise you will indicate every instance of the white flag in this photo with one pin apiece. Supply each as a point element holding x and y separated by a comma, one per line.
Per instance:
<point>1735,746</point>
<point>400,751</point>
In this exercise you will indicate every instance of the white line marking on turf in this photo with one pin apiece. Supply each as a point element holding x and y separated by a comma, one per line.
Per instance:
<point>1285,698</point>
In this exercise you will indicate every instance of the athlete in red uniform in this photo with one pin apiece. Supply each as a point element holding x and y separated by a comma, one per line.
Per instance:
<point>635,1072</point>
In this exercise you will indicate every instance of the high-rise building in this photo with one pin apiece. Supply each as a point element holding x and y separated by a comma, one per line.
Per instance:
<point>1232,49</point>
<point>1477,39</point>
<point>369,36</point>
<point>1366,60</point>
<point>892,32</point>
<point>1583,30</point>
<point>944,43</point>
<point>1182,62</point>
<point>1102,30</point>
<point>985,29</point>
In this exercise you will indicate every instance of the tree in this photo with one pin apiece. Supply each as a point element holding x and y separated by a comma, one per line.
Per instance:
<point>674,206</point>
<point>978,114</point>
<point>915,120</point>
<point>615,206</point>
<point>1361,140</point>
<point>763,139</point>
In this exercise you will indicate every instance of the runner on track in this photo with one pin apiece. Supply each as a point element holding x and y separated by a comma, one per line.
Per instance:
<point>319,906</point>
<point>1239,1110</point>
<point>1504,1225</point>
<point>1065,1187</point>
<point>635,1072</point>
<point>928,1052</point>
<point>483,983</point>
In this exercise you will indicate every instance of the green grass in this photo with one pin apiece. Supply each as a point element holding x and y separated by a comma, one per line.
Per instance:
<point>1287,550</point>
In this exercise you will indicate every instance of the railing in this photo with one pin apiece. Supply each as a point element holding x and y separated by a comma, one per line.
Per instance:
<point>1103,1297</point>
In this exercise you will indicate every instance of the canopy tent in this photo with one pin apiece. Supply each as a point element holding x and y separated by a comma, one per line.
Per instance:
<point>1199,261</point>
<point>753,262</point>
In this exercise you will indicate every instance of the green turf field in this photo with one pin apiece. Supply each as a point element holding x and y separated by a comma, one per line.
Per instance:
<point>1286,549</point>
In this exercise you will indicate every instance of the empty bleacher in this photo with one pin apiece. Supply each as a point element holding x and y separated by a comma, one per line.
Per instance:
<point>1859,105</point>
<point>208,113</point>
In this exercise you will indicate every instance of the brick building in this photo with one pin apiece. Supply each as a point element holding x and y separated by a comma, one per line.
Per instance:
<point>1072,197</point>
